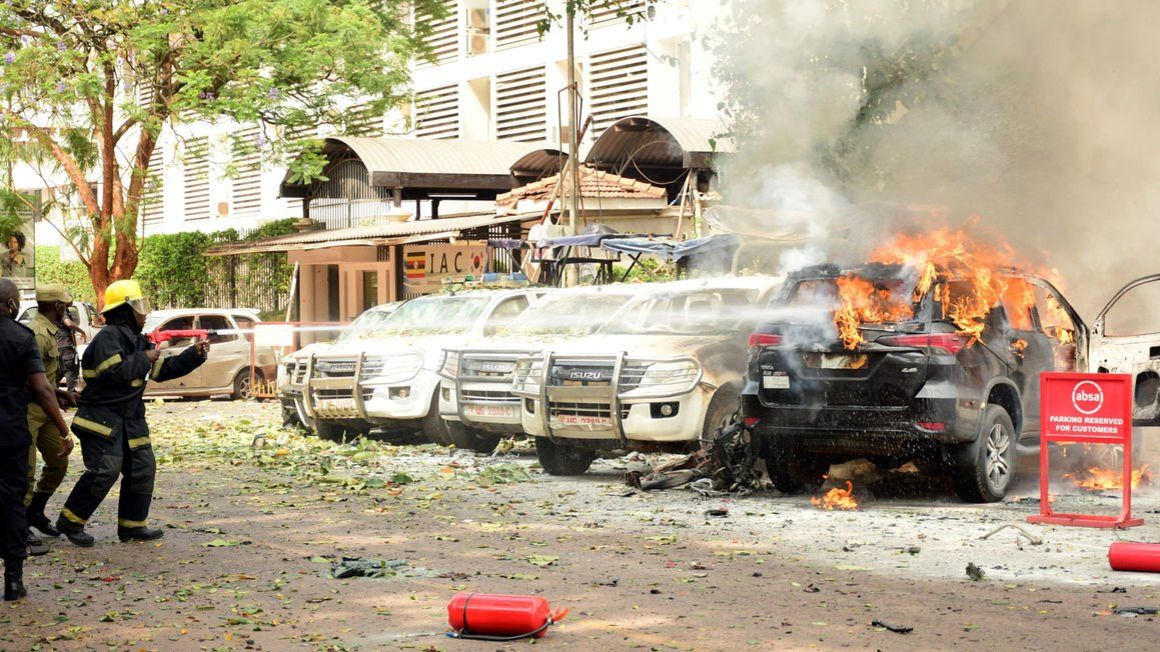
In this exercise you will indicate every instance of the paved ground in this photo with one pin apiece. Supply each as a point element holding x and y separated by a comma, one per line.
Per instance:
<point>256,518</point>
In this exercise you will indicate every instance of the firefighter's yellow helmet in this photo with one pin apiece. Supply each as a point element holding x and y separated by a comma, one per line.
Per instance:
<point>128,291</point>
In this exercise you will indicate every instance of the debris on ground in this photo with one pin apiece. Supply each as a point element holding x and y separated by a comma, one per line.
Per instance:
<point>1135,611</point>
<point>358,567</point>
<point>897,629</point>
<point>1031,538</point>
<point>974,572</point>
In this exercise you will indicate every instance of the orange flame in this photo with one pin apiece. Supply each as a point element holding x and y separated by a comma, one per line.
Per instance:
<point>837,498</point>
<point>973,290</point>
<point>1099,479</point>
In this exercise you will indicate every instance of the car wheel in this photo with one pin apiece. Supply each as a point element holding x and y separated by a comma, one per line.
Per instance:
<point>467,438</point>
<point>721,411</point>
<point>434,427</point>
<point>561,459</point>
<point>788,467</point>
<point>992,466</point>
<point>244,384</point>
<point>329,431</point>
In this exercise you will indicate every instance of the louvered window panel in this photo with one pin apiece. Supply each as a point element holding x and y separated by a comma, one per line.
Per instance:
<point>247,164</point>
<point>617,86</point>
<point>444,37</point>
<point>196,164</point>
<point>437,113</point>
<point>362,120</point>
<point>146,91</point>
<point>294,206</point>
<point>153,199</point>
<point>521,105</point>
<point>516,21</point>
<point>611,12</point>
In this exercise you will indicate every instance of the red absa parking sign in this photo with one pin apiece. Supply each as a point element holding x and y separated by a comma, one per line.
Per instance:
<point>1094,408</point>
<point>1085,408</point>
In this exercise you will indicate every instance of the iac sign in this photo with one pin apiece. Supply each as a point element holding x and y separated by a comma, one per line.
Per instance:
<point>456,260</point>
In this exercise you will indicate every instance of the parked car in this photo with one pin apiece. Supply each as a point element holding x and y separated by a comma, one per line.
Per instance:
<point>227,369</point>
<point>919,387</point>
<point>82,314</point>
<point>475,397</point>
<point>662,374</point>
<point>389,380</point>
<point>294,368</point>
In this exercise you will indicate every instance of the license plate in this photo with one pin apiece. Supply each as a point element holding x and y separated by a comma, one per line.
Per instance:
<point>836,360</point>
<point>336,404</point>
<point>581,420</point>
<point>508,411</point>
<point>775,382</point>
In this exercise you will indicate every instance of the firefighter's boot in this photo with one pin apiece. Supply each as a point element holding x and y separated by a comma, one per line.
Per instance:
<point>75,533</point>
<point>139,533</point>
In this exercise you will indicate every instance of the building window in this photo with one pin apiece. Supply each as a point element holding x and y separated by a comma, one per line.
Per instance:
<point>363,120</point>
<point>196,163</point>
<point>444,37</point>
<point>437,113</point>
<point>606,13</point>
<point>516,22</point>
<point>153,198</point>
<point>521,105</point>
<point>617,86</point>
<point>247,170</point>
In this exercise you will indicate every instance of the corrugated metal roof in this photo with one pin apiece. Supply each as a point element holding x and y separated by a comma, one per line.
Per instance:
<point>593,184</point>
<point>376,234</point>
<point>659,142</point>
<point>413,163</point>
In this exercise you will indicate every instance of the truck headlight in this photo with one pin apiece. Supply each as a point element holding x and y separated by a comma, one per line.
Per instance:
<point>526,377</point>
<point>449,368</point>
<point>392,369</point>
<point>663,378</point>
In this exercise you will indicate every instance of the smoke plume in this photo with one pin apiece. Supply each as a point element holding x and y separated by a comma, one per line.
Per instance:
<point>1037,116</point>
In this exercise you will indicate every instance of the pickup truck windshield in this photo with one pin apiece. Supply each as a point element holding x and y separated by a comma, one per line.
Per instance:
<point>432,316</point>
<point>707,311</point>
<point>572,314</point>
<point>365,325</point>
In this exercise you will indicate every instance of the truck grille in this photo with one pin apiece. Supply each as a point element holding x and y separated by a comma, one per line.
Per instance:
<point>489,396</point>
<point>584,410</point>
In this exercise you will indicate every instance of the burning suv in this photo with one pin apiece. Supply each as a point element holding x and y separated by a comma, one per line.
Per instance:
<point>387,378</point>
<point>665,371</point>
<point>475,398</point>
<point>938,362</point>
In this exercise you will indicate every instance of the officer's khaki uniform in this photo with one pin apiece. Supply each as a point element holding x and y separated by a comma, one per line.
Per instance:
<point>45,436</point>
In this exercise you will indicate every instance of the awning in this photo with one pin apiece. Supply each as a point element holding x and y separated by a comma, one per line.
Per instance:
<point>644,142</point>
<point>376,235</point>
<point>430,166</point>
<point>674,250</point>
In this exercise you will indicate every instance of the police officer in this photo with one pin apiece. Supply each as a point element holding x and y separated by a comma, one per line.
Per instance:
<point>52,302</point>
<point>110,421</point>
<point>21,379</point>
<point>66,341</point>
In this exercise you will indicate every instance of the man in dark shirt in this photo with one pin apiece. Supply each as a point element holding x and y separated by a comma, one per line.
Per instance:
<point>21,379</point>
<point>66,343</point>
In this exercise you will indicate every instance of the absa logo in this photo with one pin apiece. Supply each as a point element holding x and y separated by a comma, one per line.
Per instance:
<point>1087,397</point>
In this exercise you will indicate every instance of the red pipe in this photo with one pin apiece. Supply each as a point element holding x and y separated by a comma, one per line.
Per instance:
<point>1134,556</point>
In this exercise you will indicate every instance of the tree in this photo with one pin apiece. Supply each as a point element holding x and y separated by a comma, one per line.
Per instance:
<point>92,84</point>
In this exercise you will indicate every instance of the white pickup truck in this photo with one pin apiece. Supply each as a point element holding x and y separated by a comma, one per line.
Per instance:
<point>475,396</point>
<point>388,379</point>
<point>663,374</point>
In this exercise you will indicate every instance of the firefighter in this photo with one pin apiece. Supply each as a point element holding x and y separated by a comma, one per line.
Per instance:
<point>110,421</point>
<point>52,302</point>
<point>21,379</point>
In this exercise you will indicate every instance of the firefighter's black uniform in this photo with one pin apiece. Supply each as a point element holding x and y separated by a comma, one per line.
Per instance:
<point>110,424</point>
<point>19,358</point>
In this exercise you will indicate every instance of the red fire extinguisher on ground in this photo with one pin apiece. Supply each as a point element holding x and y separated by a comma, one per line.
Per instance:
<point>1134,556</point>
<point>496,617</point>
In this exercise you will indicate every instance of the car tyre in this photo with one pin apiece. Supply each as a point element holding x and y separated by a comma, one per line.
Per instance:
<point>722,409</point>
<point>992,467</point>
<point>434,427</point>
<point>244,384</point>
<point>561,459</point>
<point>788,468</point>
<point>468,438</point>
<point>329,431</point>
